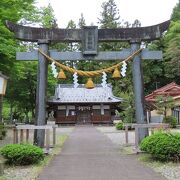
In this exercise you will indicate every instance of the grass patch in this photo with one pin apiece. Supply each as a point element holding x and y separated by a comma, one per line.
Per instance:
<point>127,150</point>
<point>32,171</point>
<point>148,160</point>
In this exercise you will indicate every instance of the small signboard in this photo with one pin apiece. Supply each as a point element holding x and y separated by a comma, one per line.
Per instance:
<point>90,40</point>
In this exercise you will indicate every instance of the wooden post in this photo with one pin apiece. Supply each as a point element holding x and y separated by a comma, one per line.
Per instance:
<point>152,131</point>
<point>126,133</point>
<point>21,136</point>
<point>47,140</point>
<point>14,135</point>
<point>1,106</point>
<point>54,135</point>
<point>136,138</point>
<point>145,126</point>
<point>1,168</point>
<point>27,135</point>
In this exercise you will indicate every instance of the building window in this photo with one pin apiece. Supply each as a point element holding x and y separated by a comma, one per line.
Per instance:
<point>61,113</point>
<point>176,113</point>
<point>72,113</point>
<point>106,112</point>
<point>96,112</point>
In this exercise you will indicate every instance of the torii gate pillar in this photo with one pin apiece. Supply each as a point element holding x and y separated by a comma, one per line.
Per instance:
<point>41,93</point>
<point>138,84</point>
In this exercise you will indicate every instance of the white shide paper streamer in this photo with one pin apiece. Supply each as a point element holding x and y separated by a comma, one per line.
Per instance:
<point>104,78</point>
<point>54,70</point>
<point>75,79</point>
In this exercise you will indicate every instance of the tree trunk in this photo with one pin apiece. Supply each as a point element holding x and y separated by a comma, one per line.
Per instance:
<point>11,113</point>
<point>165,113</point>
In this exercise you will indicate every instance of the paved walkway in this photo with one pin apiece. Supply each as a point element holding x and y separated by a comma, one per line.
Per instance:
<point>90,155</point>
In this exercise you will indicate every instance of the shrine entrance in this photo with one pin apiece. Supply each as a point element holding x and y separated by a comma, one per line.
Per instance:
<point>84,117</point>
<point>84,114</point>
<point>89,36</point>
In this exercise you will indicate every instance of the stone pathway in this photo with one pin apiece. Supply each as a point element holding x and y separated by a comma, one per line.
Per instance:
<point>90,155</point>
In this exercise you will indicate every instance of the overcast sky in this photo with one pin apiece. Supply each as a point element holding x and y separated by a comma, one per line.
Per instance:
<point>149,12</point>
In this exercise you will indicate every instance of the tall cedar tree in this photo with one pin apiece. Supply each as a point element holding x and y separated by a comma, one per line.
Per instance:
<point>110,18</point>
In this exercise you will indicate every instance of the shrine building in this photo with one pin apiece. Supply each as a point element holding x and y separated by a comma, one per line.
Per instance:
<point>83,106</point>
<point>172,90</point>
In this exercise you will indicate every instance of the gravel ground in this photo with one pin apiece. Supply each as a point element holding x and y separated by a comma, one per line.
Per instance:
<point>170,171</point>
<point>118,136</point>
<point>18,173</point>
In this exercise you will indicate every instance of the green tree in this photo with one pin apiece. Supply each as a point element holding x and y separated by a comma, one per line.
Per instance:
<point>127,108</point>
<point>168,70</point>
<point>110,18</point>
<point>46,17</point>
<point>172,50</point>
<point>12,11</point>
<point>82,21</point>
<point>110,15</point>
<point>22,95</point>
<point>164,103</point>
<point>136,23</point>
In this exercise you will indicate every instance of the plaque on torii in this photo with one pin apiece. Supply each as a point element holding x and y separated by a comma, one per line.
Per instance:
<point>89,36</point>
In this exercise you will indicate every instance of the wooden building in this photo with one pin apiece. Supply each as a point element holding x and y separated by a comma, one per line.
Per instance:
<point>80,105</point>
<point>172,90</point>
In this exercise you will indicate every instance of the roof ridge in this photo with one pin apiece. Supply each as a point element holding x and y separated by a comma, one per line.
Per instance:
<point>167,86</point>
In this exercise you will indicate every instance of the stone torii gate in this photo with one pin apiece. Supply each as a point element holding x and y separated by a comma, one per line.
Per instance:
<point>89,36</point>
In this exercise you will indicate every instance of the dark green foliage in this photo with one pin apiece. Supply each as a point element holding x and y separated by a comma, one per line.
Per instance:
<point>160,73</point>
<point>22,154</point>
<point>127,113</point>
<point>3,131</point>
<point>119,126</point>
<point>163,103</point>
<point>162,146</point>
<point>171,120</point>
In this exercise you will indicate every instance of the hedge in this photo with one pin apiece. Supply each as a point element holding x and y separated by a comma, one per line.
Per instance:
<point>22,154</point>
<point>163,146</point>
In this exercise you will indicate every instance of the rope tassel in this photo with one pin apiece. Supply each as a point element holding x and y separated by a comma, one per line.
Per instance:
<point>61,75</point>
<point>116,74</point>
<point>89,84</point>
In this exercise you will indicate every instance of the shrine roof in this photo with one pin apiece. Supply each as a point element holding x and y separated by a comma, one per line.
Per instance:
<point>171,89</point>
<point>66,93</point>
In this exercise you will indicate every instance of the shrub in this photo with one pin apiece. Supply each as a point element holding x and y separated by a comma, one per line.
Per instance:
<point>2,131</point>
<point>22,154</point>
<point>162,146</point>
<point>119,126</point>
<point>171,120</point>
